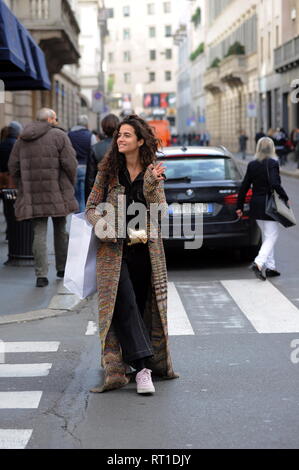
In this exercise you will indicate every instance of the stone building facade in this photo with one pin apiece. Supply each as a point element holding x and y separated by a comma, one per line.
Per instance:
<point>141,59</point>
<point>279,64</point>
<point>191,96</point>
<point>231,78</point>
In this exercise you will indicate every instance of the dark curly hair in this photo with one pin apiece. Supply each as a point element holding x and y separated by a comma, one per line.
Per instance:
<point>114,160</point>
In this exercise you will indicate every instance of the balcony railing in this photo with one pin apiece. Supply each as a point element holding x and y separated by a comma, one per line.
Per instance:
<point>211,80</point>
<point>39,9</point>
<point>233,70</point>
<point>54,25</point>
<point>287,55</point>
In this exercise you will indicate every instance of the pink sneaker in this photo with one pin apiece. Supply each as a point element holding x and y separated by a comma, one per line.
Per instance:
<point>144,381</point>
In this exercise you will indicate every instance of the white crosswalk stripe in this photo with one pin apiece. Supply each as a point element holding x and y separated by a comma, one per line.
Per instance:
<point>19,400</point>
<point>31,346</point>
<point>16,400</point>
<point>240,306</point>
<point>24,370</point>
<point>14,438</point>
<point>178,321</point>
<point>264,305</point>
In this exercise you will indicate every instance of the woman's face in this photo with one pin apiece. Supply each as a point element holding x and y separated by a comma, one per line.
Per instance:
<point>127,140</point>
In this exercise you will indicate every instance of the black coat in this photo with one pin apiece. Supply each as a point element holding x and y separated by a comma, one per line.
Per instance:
<point>6,147</point>
<point>257,177</point>
<point>96,155</point>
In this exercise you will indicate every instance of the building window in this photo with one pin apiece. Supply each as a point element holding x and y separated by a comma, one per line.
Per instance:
<point>168,75</point>
<point>167,7</point>
<point>152,55</point>
<point>168,31</point>
<point>110,57</point>
<point>152,76</point>
<point>152,32</point>
<point>127,56</point>
<point>126,34</point>
<point>127,77</point>
<point>150,8</point>
<point>168,54</point>
<point>126,11</point>
<point>110,13</point>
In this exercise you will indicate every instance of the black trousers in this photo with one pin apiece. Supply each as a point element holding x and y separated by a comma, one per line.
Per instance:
<point>130,303</point>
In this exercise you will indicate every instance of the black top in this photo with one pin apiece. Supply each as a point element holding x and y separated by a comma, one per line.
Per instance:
<point>257,177</point>
<point>95,157</point>
<point>133,192</point>
<point>6,147</point>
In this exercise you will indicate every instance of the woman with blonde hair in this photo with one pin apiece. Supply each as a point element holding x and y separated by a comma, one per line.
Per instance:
<point>263,176</point>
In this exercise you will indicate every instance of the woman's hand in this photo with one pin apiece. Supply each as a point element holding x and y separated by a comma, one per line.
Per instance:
<point>239,213</point>
<point>158,170</point>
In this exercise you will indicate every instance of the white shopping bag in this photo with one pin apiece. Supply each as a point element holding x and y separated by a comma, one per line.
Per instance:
<point>80,270</point>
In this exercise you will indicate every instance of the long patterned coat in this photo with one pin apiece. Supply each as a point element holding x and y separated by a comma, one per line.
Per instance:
<point>109,258</point>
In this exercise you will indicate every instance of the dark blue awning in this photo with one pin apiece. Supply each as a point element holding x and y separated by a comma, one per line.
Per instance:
<point>11,51</point>
<point>35,75</point>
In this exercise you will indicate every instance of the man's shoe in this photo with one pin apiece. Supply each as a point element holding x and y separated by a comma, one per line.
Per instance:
<point>144,381</point>
<point>272,273</point>
<point>60,274</point>
<point>42,282</point>
<point>258,273</point>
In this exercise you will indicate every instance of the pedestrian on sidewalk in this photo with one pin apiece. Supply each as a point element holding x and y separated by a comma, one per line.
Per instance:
<point>281,149</point>
<point>206,138</point>
<point>9,136</point>
<point>131,271</point>
<point>259,135</point>
<point>264,164</point>
<point>109,125</point>
<point>43,164</point>
<point>82,140</point>
<point>243,144</point>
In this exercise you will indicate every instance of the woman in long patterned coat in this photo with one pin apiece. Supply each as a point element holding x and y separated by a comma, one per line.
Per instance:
<point>131,272</point>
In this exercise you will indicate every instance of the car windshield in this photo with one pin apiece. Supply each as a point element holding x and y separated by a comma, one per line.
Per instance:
<point>201,169</point>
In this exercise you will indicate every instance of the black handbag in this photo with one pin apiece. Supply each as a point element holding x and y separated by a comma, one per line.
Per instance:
<point>277,208</point>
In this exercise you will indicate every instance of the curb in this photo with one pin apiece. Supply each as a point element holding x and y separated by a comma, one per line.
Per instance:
<point>61,303</point>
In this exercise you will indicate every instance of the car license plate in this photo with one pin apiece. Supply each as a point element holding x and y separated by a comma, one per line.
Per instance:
<point>191,208</point>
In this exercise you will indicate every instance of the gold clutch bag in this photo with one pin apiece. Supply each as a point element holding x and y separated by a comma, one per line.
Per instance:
<point>137,236</point>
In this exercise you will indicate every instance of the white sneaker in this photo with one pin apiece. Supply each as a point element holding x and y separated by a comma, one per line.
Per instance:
<point>144,381</point>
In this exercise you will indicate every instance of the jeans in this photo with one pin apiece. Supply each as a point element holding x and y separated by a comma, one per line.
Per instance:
<point>134,282</point>
<point>80,187</point>
<point>270,232</point>
<point>39,247</point>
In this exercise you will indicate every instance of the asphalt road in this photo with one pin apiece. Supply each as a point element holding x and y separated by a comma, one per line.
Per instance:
<point>239,375</point>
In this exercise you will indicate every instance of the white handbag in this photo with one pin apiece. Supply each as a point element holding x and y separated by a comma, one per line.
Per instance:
<point>80,270</point>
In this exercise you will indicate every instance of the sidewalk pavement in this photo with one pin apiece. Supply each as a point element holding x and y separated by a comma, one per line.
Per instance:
<point>289,169</point>
<point>20,299</point>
